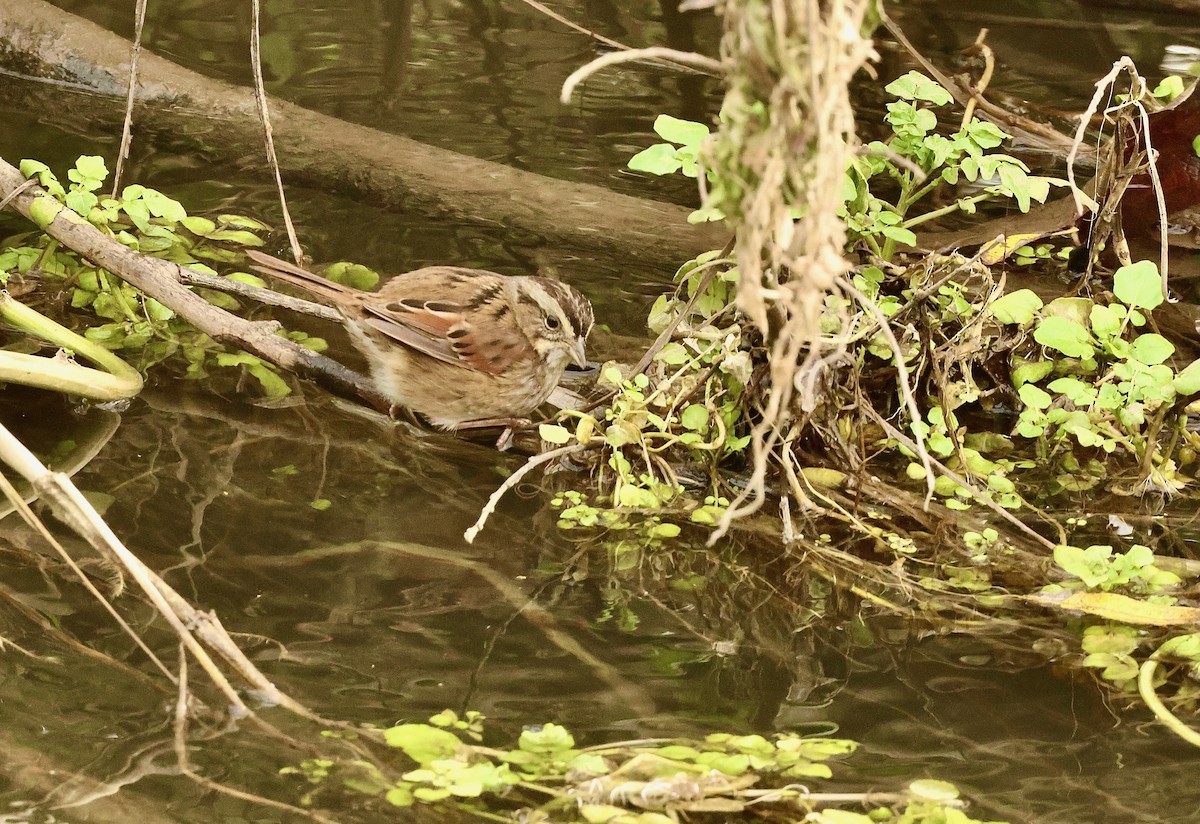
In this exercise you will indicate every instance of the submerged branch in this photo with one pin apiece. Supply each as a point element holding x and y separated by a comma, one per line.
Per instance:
<point>190,625</point>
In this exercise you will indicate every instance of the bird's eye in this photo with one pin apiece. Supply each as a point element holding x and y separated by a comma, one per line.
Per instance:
<point>551,322</point>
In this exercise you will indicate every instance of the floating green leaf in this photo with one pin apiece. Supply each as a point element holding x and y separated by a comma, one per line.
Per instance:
<point>354,275</point>
<point>548,738</point>
<point>659,159</point>
<point>244,277</point>
<point>238,236</point>
<point>242,222</point>
<point>683,132</point>
<point>933,790</point>
<point>423,743</point>
<point>162,206</point>
<point>201,226</point>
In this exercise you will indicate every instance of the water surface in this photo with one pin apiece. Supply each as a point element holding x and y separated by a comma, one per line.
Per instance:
<point>375,610</point>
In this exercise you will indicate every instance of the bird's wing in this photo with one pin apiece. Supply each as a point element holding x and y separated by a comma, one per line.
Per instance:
<point>471,323</point>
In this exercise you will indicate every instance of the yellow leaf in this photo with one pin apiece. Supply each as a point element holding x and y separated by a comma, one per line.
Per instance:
<point>825,478</point>
<point>1121,608</point>
<point>1004,245</point>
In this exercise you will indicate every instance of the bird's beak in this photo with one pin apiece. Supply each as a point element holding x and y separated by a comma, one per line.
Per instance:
<point>578,355</point>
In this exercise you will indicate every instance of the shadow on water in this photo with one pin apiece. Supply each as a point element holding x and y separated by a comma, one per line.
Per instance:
<point>333,542</point>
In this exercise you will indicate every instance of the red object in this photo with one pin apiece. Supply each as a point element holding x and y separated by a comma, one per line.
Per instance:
<point>1171,133</point>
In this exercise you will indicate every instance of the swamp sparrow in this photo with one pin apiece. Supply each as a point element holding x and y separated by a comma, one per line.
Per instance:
<point>458,345</point>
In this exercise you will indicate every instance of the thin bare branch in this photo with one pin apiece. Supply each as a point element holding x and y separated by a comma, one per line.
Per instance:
<point>264,115</point>
<point>139,17</point>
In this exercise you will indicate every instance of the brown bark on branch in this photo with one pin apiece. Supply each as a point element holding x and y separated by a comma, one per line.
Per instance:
<point>160,280</point>
<point>334,154</point>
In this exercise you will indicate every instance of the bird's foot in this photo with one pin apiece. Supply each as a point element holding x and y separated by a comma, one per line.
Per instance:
<point>510,425</point>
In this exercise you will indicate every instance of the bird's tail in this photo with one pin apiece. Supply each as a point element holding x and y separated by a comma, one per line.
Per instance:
<point>335,293</point>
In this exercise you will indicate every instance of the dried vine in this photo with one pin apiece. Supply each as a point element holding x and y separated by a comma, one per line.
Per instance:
<point>786,138</point>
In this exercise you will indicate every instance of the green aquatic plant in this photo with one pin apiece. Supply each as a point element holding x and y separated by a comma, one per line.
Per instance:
<point>1098,382</point>
<point>1099,567</point>
<point>919,160</point>
<point>152,223</point>
<point>914,163</point>
<point>548,777</point>
<point>687,406</point>
<point>681,153</point>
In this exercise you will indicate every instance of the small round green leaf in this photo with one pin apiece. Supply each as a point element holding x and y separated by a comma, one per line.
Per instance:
<point>1138,285</point>
<point>1187,382</point>
<point>423,743</point>
<point>621,432</point>
<point>664,531</point>
<point>1066,336</point>
<point>916,86</point>
<point>244,277</point>
<point>1016,307</point>
<point>1152,349</point>
<point>354,275</point>
<point>235,236</point>
<point>201,226</point>
<point>933,790</point>
<point>1077,309</point>
<point>673,354</point>
<point>43,210</point>
<point>899,234</point>
<point>695,418</point>
<point>1169,88</point>
<point>1105,322</point>
<point>1034,396</point>
<point>1031,372</point>
<point>659,159</point>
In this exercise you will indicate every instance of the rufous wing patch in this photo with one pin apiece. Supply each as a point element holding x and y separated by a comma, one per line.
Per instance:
<point>440,330</point>
<point>415,324</point>
<point>492,350</point>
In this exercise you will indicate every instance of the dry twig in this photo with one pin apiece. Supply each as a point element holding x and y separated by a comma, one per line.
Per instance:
<point>796,57</point>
